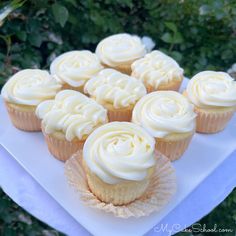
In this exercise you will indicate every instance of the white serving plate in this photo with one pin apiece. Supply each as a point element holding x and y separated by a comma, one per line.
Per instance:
<point>204,155</point>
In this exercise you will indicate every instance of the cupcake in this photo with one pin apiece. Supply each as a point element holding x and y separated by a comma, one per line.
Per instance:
<point>67,121</point>
<point>72,69</point>
<point>23,92</point>
<point>119,51</point>
<point>169,117</point>
<point>117,92</point>
<point>214,97</point>
<point>158,72</point>
<point>118,159</point>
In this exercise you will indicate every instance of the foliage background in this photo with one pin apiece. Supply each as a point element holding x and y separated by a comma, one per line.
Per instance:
<point>200,35</point>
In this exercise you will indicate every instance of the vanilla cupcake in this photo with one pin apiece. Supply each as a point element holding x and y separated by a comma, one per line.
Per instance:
<point>119,161</point>
<point>119,51</point>
<point>72,69</point>
<point>68,120</point>
<point>214,97</point>
<point>117,92</point>
<point>169,117</point>
<point>158,72</point>
<point>23,92</point>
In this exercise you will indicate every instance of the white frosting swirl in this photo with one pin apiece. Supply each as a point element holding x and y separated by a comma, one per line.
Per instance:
<point>120,49</point>
<point>30,87</point>
<point>164,112</point>
<point>75,67</point>
<point>119,151</point>
<point>209,89</point>
<point>72,113</point>
<point>156,68</point>
<point>113,87</point>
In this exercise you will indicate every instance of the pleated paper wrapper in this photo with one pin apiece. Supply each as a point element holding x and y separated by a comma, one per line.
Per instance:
<point>161,189</point>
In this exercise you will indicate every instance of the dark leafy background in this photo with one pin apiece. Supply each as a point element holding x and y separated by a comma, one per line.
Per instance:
<point>200,35</point>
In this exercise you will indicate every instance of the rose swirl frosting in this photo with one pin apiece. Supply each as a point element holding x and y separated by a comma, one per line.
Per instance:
<point>119,151</point>
<point>30,87</point>
<point>164,112</point>
<point>120,49</point>
<point>210,89</point>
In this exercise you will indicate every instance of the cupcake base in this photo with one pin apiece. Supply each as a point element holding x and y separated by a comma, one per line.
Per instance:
<point>120,115</point>
<point>117,194</point>
<point>60,148</point>
<point>23,117</point>
<point>213,121</point>
<point>125,69</point>
<point>173,146</point>
<point>160,190</point>
<point>172,85</point>
<point>67,86</point>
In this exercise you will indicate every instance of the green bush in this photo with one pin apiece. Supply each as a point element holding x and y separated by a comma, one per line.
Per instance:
<point>200,35</point>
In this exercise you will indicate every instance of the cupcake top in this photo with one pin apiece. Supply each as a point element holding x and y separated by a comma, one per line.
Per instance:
<point>119,151</point>
<point>211,89</point>
<point>164,112</point>
<point>30,87</point>
<point>111,87</point>
<point>71,113</point>
<point>75,67</point>
<point>120,49</point>
<point>156,68</point>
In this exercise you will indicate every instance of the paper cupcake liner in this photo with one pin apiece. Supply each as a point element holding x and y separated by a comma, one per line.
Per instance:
<point>159,192</point>
<point>119,115</point>
<point>212,122</point>
<point>67,86</point>
<point>62,149</point>
<point>174,85</point>
<point>24,120</point>
<point>173,149</point>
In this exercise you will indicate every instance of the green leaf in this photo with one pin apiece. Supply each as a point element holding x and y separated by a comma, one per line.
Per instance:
<point>176,55</point>
<point>73,2</point>
<point>60,13</point>
<point>35,40</point>
<point>21,35</point>
<point>178,38</point>
<point>167,38</point>
<point>171,26</point>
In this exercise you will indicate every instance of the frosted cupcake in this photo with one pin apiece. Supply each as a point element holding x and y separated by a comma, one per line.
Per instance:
<point>119,162</point>
<point>119,51</point>
<point>169,117</point>
<point>67,121</point>
<point>72,69</point>
<point>23,92</point>
<point>117,92</point>
<point>214,97</point>
<point>158,72</point>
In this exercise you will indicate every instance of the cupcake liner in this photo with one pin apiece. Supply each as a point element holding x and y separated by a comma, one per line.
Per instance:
<point>173,149</point>
<point>118,194</point>
<point>24,120</point>
<point>173,85</point>
<point>159,192</point>
<point>62,149</point>
<point>119,115</point>
<point>67,86</point>
<point>125,69</point>
<point>212,122</point>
